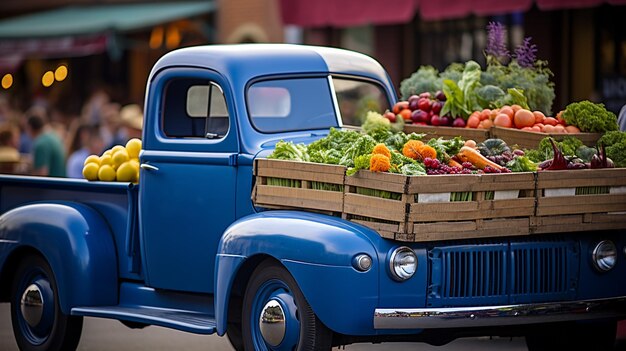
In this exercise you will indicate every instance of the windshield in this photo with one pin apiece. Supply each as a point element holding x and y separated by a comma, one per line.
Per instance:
<point>357,97</point>
<point>294,104</point>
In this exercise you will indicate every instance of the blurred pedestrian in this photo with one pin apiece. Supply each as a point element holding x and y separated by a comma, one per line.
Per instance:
<point>9,155</point>
<point>132,121</point>
<point>48,153</point>
<point>111,127</point>
<point>86,140</point>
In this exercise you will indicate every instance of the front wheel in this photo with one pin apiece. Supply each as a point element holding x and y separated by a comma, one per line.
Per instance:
<point>38,322</point>
<point>276,315</point>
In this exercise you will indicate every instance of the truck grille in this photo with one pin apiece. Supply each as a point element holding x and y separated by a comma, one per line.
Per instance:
<point>502,273</point>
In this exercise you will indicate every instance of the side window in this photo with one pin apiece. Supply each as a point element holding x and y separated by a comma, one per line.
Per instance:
<point>194,108</point>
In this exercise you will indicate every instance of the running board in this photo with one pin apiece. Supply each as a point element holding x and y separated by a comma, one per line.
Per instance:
<point>192,322</point>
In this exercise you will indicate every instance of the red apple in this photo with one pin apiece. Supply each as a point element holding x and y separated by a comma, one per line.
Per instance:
<point>434,120</point>
<point>445,121</point>
<point>419,116</point>
<point>437,106</point>
<point>440,96</point>
<point>458,122</point>
<point>424,104</point>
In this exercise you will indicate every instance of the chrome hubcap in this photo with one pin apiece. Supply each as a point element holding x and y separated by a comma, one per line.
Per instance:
<point>31,305</point>
<point>272,323</point>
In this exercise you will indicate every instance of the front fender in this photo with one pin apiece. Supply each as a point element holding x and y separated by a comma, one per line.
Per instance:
<point>318,251</point>
<point>76,242</point>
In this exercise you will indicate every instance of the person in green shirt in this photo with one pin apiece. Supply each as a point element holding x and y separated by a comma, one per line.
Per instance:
<point>47,150</point>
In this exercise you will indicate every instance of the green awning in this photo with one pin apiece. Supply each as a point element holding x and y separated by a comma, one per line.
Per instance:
<point>84,20</point>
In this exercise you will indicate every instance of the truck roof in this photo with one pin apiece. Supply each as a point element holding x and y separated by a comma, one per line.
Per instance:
<point>242,62</point>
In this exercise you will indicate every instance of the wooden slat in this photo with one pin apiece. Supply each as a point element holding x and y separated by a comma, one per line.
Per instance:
<point>547,206</point>
<point>530,140</point>
<point>298,198</point>
<point>381,181</point>
<point>368,206</point>
<point>471,229</point>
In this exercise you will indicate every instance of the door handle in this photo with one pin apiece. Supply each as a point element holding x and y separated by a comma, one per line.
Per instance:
<point>149,167</point>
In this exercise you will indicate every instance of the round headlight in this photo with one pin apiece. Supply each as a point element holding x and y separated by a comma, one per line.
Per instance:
<point>604,256</point>
<point>402,263</point>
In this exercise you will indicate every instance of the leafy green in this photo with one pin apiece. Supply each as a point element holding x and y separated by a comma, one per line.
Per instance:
<point>586,153</point>
<point>396,141</point>
<point>488,95</point>
<point>287,150</point>
<point>460,97</point>
<point>360,162</point>
<point>362,146</point>
<point>521,164</point>
<point>375,125</point>
<point>514,96</point>
<point>590,117</point>
<point>412,169</point>
<point>330,148</point>
<point>446,148</point>
<point>534,82</point>
<point>569,146</point>
<point>425,79</point>
<point>615,146</point>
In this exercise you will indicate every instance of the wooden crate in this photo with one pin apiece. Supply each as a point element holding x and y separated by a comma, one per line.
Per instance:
<point>306,194</point>
<point>448,132</point>
<point>422,210</point>
<point>387,216</point>
<point>501,205</point>
<point>562,205</point>
<point>530,140</point>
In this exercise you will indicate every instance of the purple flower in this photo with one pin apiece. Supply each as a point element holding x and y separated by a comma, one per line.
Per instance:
<point>525,53</point>
<point>496,41</point>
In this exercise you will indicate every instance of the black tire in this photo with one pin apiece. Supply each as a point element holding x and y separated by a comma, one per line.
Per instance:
<point>309,334</point>
<point>588,336</point>
<point>233,329</point>
<point>55,331</point>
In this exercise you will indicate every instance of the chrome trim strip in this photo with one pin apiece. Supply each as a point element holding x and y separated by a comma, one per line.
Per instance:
<point>335,101</point>
<point>482,316</point>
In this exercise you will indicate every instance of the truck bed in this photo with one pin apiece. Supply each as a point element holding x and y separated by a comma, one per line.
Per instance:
<point>116,202</point>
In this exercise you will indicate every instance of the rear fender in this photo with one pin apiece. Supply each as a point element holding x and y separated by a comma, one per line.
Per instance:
<point>77,243</point>
<point>318,251</point>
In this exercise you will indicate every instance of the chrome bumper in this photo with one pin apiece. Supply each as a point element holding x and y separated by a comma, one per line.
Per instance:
<point>482,316</point>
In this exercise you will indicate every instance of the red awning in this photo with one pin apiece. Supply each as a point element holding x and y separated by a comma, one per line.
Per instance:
<point>347,13</point>
<point>437,10</point>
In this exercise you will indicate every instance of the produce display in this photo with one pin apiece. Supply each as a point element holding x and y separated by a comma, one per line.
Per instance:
<point>120,163</point>
<point>511,169</point>
<point>513,91</point>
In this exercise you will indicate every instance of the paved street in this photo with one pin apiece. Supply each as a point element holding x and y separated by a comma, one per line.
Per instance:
<point>109,335</point>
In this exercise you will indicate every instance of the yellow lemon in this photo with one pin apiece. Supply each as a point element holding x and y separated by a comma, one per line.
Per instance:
<point>120,156</point>
<point>90,171</point>
<point>106,173</point>
<point>126,172</point>
<point>106,160</point>
<point>117,148</point>
<point>92,159</point>
<point>133,146</point>
<point>108,152</point>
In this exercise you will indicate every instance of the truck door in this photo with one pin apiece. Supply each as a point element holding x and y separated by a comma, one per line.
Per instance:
<point>187,178</point>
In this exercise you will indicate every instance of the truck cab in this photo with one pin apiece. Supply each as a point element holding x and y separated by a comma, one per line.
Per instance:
<point>186,248</point>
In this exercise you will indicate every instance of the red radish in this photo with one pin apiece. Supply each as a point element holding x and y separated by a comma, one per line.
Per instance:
<point>458,122</point>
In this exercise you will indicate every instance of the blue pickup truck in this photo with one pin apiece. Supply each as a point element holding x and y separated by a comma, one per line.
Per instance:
<point>186,248</point>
